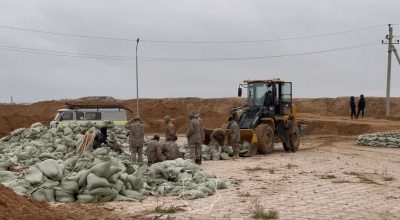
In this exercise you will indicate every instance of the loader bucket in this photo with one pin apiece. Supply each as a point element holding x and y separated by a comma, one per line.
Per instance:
<point>245,135</point>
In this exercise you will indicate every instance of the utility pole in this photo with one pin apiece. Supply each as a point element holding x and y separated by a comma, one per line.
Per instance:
<point>389,67</point>
<point>137,81</point>
<point>389,38</point>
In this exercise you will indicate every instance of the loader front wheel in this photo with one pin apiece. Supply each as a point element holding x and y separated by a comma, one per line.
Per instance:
<point>295,140</point>
<point>265,138</point>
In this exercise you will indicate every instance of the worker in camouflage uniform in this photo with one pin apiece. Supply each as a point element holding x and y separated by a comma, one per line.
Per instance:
<point>235,137</point>
<point>194,139</point>
<point>197,116</point>
<point>169,130</point>
<point>170,151</point>
<point>219,138</point>
<point>154,150</point>
<point>288,132</point>
<point>136,137</point>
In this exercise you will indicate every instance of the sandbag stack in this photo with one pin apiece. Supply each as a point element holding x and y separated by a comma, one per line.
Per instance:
<point>58,173</point>
<point>391,139</point>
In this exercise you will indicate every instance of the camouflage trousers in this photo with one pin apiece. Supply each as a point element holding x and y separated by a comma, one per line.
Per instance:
<point>218,144</point>
<point>235,147</point>
<point>137,150</point>
<point>288,138</point>
<point>195,151</point>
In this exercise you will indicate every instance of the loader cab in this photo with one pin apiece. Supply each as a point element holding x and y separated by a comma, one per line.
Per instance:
<point>265,99</point>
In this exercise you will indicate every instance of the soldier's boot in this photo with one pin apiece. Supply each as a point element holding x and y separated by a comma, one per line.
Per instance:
<point>200,160</point>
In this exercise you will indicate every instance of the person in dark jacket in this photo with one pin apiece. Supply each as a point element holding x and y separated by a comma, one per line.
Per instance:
<point>353,107</point>
<point>361,106</point>
<point>100,140</point>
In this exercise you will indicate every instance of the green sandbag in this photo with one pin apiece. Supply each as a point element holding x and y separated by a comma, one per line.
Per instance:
<point>203,189</point>
<point>145,173</point>
<point>130,169</point>
<point>48,183</point>
<point>100,151</point>
<point>6,176</point>
<point>229,150</point>
<point>114,178</point>
<point>205,157</point>
<point>102,169</point>
<point>45,156</point>
<point>221,184</point>
<point>192,167</point>
<point>77,129</point>
<point>51,169</point>
<point>224,156</point>
<point>118,185</point>
<point>193,194</point>
<point>61,148</point>
<point>70,187</point>
<point>243,151</point>
<point>187,156</point>
<point>69,142</point>
<point>159,169</point>
<point>391,140</point>
<point>70,163</point>
<point>136,182</point>
<point>132,194</point>
<point>33,176</point>
<point>63,196</point>
<point>144,192</point>
<point>82,180</point>
<point>94,181</point>
<point>18,131</point>
<point>109,197</point>
<point>5,164</point>
<point>122,198</point>
<point>38,194</point>
<point>87,198</point>
<point>50,194</point>
<point>382,139</point>
<point>101,191</point>
<point>205,149</point>
<point>216,155</point>
<point>183,176</point>
<point>68,131</point>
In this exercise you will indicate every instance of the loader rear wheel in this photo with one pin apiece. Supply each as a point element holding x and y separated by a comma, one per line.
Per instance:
<point>265,138</point>
<point>285,146</point>
<point>295,141</point>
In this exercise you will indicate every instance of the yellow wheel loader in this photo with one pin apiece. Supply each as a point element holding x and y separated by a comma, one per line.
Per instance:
<point>262,119</point>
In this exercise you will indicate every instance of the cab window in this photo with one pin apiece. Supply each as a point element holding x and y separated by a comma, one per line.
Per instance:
<point>79,116</point>
<point>67,116</point>
<point>93,116</point>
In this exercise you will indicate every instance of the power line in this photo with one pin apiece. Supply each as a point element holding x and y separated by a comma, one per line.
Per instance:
<point>93,56</point>
<point>256,41</point>
<point>190,42</point>
<point>263,57</point>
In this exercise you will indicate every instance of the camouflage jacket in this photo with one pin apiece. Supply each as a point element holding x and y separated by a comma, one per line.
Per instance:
<point>194,132</point>
<point>235,133</point>
<point>197,116</point>
<point>289,126</point>
<point>171,151</point>
<point>219,136</point>
<point>136,136</point>
<point>170,132</point>
<point>154,152</point>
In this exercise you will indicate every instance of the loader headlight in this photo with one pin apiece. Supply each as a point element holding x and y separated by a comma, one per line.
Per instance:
<point>271,108</point>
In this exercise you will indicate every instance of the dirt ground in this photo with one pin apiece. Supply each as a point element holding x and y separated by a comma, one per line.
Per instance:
<point>328,178</point>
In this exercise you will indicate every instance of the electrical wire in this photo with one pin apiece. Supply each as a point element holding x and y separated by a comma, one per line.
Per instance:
<point>93,56</point>
<point>257,41</point>
<point>191,42</point>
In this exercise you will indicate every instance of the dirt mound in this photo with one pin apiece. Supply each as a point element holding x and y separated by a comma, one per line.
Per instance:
<point>214,113</point>
<point>13,206</point>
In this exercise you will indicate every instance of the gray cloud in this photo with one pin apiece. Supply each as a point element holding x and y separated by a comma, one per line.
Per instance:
<point>34,77</point>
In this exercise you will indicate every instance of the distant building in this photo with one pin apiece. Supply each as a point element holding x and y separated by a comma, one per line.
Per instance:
<point>12,100</point>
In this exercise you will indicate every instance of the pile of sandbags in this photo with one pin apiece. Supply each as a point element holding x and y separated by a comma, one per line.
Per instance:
<point>57,172</point>
<point>208,152</point>
<point>391,139</point>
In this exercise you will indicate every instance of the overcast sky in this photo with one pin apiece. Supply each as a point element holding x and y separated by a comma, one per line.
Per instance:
<point>37,77</point>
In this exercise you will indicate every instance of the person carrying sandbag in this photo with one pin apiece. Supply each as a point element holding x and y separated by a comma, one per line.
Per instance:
<point>194,139</point>
<point>136,137</point>
<point>169,130</point>
<point>235,137</point>
<point>113,145</point>
<point>100,141</point>
<point>288,132</point>
<point>154,150</point>
<point>219,138</point>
